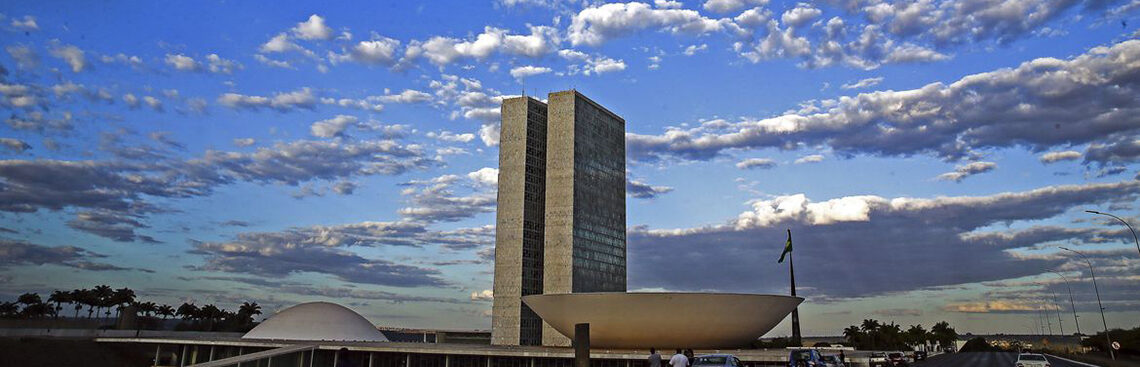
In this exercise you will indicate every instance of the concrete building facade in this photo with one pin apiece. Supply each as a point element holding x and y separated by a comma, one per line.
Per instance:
<point>578,245</point>
<point>519,222</point>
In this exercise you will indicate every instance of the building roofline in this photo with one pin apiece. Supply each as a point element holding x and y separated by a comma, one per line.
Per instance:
<point>596,104</point>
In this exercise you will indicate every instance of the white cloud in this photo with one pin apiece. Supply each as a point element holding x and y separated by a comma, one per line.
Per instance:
<point>70,54</point>
<point>445,50</point>
<point>668,4</point>
<point>313,29</point>
<point>728,6</point>
<point>486,176</point>
<point>28,23</point>
<point>244,142</point>
<point>865,83</point>
<point>751,163</point>
<point>486,294</point>
<point>153,103</point>
<point>333,127</point>
<point>271,62</point>
<point>595,25</point>
<point>218,65</point>
<point>301,98</point>
<point>814,158</point>
<point>381,50</point>
<point>961,172</point>
<point>489,133</point>
<point>802,14</point>
<point>693,49</point>
<point>1053,157</point>
<point>131,100</point>
<point>527,71</point>
<point>406,96</point>
<point>451,137</point>
<point>183,62</point>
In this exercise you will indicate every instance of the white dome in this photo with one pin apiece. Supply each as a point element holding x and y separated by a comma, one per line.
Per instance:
<point>317,321</point>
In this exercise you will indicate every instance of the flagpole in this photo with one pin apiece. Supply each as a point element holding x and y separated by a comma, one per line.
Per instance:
<point>796,340</point>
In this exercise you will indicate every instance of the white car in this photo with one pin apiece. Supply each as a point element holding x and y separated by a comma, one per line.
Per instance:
<point>1032,360</point>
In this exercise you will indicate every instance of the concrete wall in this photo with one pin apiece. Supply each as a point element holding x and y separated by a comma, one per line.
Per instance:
<point>558,266</point>
<point>507,303</point>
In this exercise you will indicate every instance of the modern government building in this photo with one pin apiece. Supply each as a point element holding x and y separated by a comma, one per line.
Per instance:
<point>560,225</point>
<point>560,261</point>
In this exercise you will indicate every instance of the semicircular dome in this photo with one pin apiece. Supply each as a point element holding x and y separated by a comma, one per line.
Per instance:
<point>317,321</point>
<point>664,320</point>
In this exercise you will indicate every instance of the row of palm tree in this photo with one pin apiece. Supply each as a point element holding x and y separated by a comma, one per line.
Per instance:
<point>875,335</point>
<point>101,299</point>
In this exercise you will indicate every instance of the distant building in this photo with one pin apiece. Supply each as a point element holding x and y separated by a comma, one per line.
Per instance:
<point>560,224</point>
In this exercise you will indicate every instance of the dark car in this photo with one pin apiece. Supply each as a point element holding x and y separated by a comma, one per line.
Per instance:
<point>896,359</point>
<point>919,355</point>
<point>878,359</point>
<point>717,360</point>
<point>805,358</point>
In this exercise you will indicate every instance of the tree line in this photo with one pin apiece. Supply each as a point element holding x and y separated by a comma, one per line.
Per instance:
<point>102,299</point>
<point>875,335</point>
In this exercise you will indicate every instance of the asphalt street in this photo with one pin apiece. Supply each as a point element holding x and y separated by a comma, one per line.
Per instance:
<point>984,360</point>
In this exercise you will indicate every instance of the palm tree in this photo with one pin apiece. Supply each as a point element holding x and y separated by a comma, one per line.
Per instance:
<point>871,327</point>
<point>248,310</point>
<point>944,334</point>
<point>29,299</point>
<point>122,297</point>
<point>211,313</point>
<point>85,297</point>
<point>853,335</point>
<point>58,298</point>
<point>9,309</point>
<point>103,294</point>
<point>188,311</point>
<point>165,311</point>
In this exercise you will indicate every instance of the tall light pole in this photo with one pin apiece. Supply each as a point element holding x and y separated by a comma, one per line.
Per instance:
<point>1071,303</point>
<point>1102,319</point>
<point>1134,238</point>
<point>1055,304</point>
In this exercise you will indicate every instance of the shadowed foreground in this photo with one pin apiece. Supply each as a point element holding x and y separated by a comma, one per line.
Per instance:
<point>35,352</point>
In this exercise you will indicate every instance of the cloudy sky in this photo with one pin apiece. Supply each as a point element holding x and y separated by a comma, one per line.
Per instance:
<point>929,156</point>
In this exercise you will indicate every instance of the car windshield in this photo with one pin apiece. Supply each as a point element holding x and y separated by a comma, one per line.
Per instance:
<point>830,358</point>
<point>801,355</point>
<point>878,355</point>
<point>896,355</point>
<point>710,361</point>
<point>1031,357</point>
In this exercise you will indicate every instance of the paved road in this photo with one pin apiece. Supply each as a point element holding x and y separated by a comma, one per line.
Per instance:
<point>983,360</point>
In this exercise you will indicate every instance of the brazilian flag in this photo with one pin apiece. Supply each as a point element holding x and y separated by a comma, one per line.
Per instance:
<point>787,248</point>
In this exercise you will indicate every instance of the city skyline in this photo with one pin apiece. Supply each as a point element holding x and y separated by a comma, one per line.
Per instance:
<point>930,160</point>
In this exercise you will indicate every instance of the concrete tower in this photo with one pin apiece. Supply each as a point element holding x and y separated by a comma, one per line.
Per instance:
<point>561,209</point>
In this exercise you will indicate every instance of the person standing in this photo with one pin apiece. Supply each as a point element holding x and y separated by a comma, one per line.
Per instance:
<point>654,358</point>
<point>690,356</point>
<point>679,360</point>
<point>842,358</point>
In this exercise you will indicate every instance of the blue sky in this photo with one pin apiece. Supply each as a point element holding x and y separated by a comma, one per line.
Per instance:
<point>929,156</point>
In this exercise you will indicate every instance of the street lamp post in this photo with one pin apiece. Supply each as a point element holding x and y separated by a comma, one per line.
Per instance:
<point>1055,304</point>
<point>1134,238</point>
<point>1071,303</point>
<point>1098,303</point>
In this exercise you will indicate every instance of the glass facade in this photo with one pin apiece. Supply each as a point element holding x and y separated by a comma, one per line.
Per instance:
<point>599,199</point>
<point>534,191</point>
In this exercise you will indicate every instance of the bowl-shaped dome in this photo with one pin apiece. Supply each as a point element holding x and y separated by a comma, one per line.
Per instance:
<point>317,321</point>
<point>664,320</point>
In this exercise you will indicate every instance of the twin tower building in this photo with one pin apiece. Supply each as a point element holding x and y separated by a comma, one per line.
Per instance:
<point>560,225</point>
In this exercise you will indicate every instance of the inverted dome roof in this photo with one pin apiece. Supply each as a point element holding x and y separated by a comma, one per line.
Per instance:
<point>317,321</point>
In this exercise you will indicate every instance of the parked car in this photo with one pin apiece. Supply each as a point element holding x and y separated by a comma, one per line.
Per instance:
<point>1032,360</point>
<point>716,360</point>
<point>896,359</point>
<point>805,358</point>
<point>878,359</point>
<point>919,355</point>
<point>833,361</point>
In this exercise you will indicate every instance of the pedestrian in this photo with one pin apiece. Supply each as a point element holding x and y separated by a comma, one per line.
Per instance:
<point>689,356</point>
<point>654,358</point>
<point>679,360</point>
<point>842,358</point>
